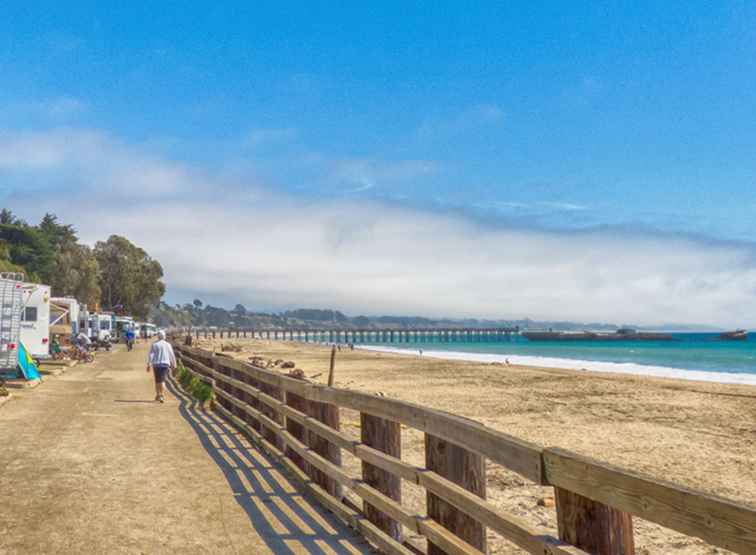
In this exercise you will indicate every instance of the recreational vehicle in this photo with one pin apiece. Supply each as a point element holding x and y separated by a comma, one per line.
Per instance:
<point>101,327</point>
<point>122,325</point>
<point>64,317</point>
<point>11,305</point>
<point>35,319</point>
<point>148,330</point>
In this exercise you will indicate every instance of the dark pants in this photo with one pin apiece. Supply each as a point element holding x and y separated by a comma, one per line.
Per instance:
<point>160,371</point>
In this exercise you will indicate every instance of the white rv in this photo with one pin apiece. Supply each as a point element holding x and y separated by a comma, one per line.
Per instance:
<point>35,319</point>
<point>100,326</point>
<point>64,317</point>
<point>122,325</point>
<point>148,330</point>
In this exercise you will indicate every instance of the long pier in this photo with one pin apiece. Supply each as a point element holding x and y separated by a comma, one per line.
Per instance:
<point>395,335</point>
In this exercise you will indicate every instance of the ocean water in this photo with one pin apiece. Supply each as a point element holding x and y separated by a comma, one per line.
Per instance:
<point>695,356</point>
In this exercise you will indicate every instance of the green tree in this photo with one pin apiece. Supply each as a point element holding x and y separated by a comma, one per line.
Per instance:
<point>75,272</point>
<point>28,248</point>
<point>129,278</point>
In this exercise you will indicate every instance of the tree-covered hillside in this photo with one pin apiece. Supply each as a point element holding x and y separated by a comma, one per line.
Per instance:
<point>114,275</point>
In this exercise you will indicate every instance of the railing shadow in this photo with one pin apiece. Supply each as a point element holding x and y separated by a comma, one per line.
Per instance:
<point>288,510</point>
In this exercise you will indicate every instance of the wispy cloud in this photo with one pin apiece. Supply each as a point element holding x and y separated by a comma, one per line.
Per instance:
<point>466,120</point>
<point>259,137</point>
<point>56,109</point>
<point>371,256</point>
<point>363,174</point>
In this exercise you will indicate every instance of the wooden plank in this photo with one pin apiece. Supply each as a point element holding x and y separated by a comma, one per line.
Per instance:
<point>341,440</point>
<point>385,436</point>
<point>517,455</point>
<point>446,542</point>
<point>465,469</point>
<point>718,521</point>
<point>593,526</point>
<point>387,462</point>
<point>514,529</point>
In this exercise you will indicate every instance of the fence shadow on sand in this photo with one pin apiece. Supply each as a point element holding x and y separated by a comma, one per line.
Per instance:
<point>287,521</point>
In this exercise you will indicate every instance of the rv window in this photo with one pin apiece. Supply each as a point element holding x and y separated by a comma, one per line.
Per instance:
<point>105,325</point>
<point>30,314</point>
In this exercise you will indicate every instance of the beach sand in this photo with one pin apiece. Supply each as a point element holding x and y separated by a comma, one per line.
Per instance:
<point>701,435</point>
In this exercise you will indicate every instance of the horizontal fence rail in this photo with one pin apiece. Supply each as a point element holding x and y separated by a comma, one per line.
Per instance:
<point>298,423</point>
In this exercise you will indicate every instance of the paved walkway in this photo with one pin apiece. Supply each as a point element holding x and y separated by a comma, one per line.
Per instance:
<point>90,464</point>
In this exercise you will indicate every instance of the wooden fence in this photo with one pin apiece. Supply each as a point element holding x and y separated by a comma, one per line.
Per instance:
<point>298,423</point>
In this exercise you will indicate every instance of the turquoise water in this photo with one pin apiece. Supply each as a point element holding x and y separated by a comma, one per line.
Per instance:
<point>703,352</point>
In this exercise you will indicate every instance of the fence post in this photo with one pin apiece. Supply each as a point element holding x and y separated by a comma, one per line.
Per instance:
<point>271,413</point>
<point>466,469</point>
<point>593,526</point>
<point>295,428</point>
<point>386,436</point>
<point>327,414</point>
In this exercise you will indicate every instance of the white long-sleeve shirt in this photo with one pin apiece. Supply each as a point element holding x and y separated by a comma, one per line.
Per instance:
<point>161,352</point>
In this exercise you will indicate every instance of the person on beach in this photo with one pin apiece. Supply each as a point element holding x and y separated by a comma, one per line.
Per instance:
<point>161,359</point>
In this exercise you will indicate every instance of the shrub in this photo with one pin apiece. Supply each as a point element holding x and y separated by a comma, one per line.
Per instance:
<point>193,385</point>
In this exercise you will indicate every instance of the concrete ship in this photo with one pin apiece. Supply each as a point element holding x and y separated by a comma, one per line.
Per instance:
<point>737,335</point>
<point>624,334</point>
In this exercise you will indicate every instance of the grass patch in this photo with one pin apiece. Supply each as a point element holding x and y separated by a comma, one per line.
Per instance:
<point>193,385</point>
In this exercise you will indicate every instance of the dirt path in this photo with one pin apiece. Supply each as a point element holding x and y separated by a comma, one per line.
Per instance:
<point>90,464</point>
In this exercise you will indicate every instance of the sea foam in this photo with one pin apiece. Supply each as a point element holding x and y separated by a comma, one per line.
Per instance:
<point>571,364</point>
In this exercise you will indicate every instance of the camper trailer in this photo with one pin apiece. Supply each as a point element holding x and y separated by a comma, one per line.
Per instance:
<point>148,330</point>
<point>64,317</point>
<point>122,325</point>
<point>101,327</point>
<point>35,319</point>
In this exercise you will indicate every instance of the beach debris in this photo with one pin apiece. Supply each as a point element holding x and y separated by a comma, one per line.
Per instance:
<point>546,502</point>
<point>278,362</point>
<point>231,348</point>
<point>288,364</point>
<point>257,360</point>
<point>316,375</point>
<point>297,373</point>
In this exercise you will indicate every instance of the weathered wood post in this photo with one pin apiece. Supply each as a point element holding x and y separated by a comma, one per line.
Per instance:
<point>593,526</point>
<point>332,366</point>
<point>295,428</point>
<point>270,412</point>
<point>386,436</point>
<point>466,469</point>
<point>328,414</point>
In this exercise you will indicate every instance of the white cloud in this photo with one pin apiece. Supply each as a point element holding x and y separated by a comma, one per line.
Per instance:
<point>267,249</point>
<point>364,174</point>
<point>258,137</point>
<point>468,119</point>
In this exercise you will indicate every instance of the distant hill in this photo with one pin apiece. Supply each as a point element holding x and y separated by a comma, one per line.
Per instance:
<point>201,315</point>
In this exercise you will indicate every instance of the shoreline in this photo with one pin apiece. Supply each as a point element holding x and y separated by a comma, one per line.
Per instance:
<point>627,369</point>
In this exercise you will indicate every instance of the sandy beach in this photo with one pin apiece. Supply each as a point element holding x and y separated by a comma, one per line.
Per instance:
<point>701,435</point>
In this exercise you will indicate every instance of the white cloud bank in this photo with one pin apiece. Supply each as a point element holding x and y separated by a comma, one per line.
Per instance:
<point>269,250</point>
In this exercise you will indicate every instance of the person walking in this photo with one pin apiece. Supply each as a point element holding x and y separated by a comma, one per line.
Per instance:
<point>161,359</point>
<point>130,337</point>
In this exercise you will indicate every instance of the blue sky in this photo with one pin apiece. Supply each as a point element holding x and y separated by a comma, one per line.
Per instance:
<point>619,120</point>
